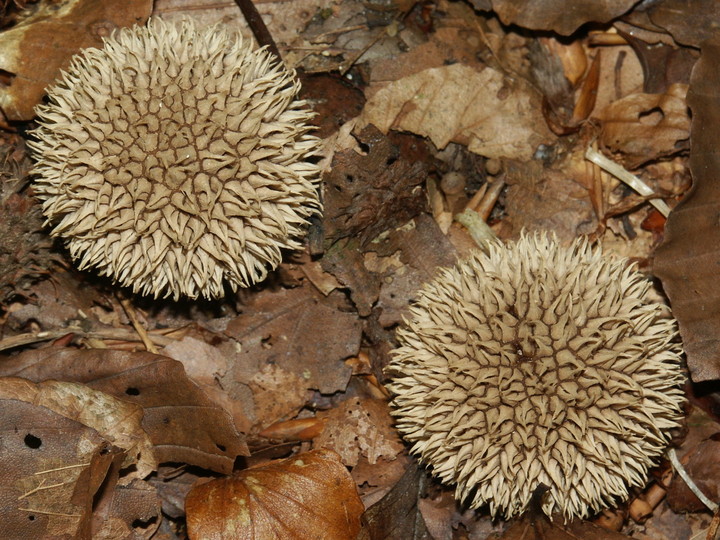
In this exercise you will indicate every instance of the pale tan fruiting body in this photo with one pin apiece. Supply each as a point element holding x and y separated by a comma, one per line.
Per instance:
<point>176,158</point>
<point>538,364</point>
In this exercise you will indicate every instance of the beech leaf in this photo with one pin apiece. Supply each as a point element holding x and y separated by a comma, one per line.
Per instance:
<point>308,496</point>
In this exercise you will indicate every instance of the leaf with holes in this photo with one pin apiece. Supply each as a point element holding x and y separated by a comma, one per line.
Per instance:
<point>309,496</point>
<point>119,422</point>
<point>644,127</point>
<point>51,467</point>
<point>183,424</point>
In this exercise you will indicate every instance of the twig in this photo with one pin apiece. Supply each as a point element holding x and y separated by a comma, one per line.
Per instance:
<point>689,481</point>
<point>41,487</point>
<point>257,25</point>
<point>117,334</point>
<point>36,511</point>
<point>46,471</point>
<point>622,174</point>
<point>139,328</point>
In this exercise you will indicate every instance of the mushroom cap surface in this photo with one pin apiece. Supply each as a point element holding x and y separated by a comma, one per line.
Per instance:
<point>176,158</point>
<point>538,364</point>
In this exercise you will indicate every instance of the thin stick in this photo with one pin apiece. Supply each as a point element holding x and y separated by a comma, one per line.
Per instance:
<point>257,25</point>
<point>139,328</point>
<point>689,481</point>
<point>63,468</point>
<point>116,334</point>
<point>622,174</point>
<point>36,511</point>
<point>41,487</point>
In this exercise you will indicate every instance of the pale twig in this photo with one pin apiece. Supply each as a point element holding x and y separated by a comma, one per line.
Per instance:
<point>117,334</point>
<point>41,487</point>
<point>139,328</point>
<point>36,511</point>
<point>622,174</point>
<point>689,481</point>
<point>46,471</point>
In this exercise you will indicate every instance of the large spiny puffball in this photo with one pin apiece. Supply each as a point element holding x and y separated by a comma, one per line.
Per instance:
<point>538,364</point>
<point>176,158</point>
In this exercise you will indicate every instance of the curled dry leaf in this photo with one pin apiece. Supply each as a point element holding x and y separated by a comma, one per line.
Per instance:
<point>119,422</point>
<point>182,423</point>
<point>309,496</point>
<point>51,468</point>
<point>35,50</point>
<point>457,103</point>
<point>688,259</point>
<point>644,127</point>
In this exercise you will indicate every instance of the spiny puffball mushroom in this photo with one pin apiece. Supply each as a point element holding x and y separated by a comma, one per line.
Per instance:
<point>176,157</point>
<point>538,364</point>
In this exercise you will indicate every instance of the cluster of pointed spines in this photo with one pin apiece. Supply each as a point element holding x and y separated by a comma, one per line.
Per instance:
<point>538,364</point>
<point>177,158</point>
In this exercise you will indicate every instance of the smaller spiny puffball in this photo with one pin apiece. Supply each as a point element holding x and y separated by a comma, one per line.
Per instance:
<point>538,364</point>
<point>176,158</point>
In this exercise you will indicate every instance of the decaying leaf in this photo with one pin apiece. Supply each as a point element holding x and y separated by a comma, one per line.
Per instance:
<point>130,511</point>
<point>408,257</point>
<point>360,427</point>
<point>183,424</point>
<point>689,23</point>
<point>688,259</point>
<point>277,394</point>
<point>644,127</point>
<point>558,16</point>
<point>308,496</point>
<point>702,465</point>
<point>368,194</point>
<point>35,50</point>
<point>119,422</point>
<point>50,470</point>
<point>397,515</point>
<point>481,109</point>
<point>543,529</point>
<point>282,327</point>
<point>552,197</point>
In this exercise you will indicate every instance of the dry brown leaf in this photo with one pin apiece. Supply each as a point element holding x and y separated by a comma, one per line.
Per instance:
<point>559,16</point>
<point>277,393</point>
<point>119,422</point>
<point>368,194</point>
<point>360,427</point>
<point>50,470</point>
<point>644,127</point>
<point>128,512</point>
<point>480,109</point>
<point>541,528</point>
<point>553,198</point>
<point>397,515</point>
<point>300,331</point>
<point>688,260</point>
<point>703,466</point>
<point>183,424</point>
<point>309,496</point>
<point>34,51</point>
<point>408,257</point>
<point>689,23</point>
<point>203,363</point>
